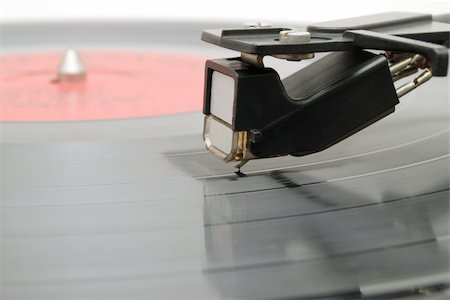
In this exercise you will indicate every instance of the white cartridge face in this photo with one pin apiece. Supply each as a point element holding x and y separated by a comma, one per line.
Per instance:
<point>222,97</point>
<point>220,136</point>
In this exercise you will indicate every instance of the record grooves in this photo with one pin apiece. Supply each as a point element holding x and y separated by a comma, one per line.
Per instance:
<point>125,203</point>
<point>441,194</point>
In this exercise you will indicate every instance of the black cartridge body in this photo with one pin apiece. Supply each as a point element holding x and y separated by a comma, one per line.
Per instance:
<point>313,108</point>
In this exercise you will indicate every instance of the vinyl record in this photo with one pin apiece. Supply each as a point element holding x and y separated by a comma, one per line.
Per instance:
<point>108,193</point>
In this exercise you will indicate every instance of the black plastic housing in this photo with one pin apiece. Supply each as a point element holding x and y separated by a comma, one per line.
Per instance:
<point>395,31</point>
<point>310,110</point>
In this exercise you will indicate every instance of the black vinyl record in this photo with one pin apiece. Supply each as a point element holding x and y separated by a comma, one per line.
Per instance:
<point>135,208</point>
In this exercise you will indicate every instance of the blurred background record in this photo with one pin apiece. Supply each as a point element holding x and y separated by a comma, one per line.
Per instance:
<point>108,193</point>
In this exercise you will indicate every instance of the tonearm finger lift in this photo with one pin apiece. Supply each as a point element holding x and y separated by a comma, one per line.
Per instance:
<point>251,113</point>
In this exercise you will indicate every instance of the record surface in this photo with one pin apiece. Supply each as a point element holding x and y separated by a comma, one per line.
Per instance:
<point>135,208</point>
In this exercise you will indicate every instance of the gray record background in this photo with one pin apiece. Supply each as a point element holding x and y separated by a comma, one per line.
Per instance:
<point>136,208</point>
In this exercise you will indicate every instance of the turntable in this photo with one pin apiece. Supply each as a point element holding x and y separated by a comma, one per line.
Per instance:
<point>107,190</point>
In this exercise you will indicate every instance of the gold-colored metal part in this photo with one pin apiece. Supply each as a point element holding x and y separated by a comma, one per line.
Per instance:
<point>410,62</point>
<point>294,57</point>
<point>253,59</point>
<point>239,145</point>
<point>408,87</point>
<point>404,73</point>
<point>408,66</point>
<point>243,151</point>
<point>241,164</point>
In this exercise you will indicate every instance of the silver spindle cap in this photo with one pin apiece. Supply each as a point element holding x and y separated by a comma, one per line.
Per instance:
<point>71,68</point>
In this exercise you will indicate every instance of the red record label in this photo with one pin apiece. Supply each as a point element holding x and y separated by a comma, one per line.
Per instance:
<point>117,85</point>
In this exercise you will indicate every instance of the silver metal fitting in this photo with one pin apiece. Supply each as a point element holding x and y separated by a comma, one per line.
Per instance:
<point>406,67</point>
<point>408,87</point>
<point>71,68</point>
<point>257,25</point>
<point>294,36</point>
